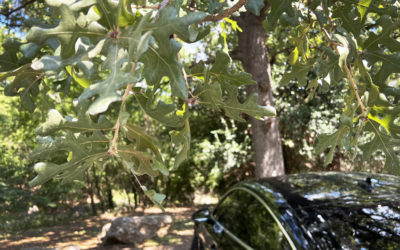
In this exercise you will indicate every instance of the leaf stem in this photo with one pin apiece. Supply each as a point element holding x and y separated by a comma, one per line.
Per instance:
<point>140,184</point>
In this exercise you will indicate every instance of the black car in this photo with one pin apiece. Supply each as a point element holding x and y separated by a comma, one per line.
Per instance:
<point>330,210</point>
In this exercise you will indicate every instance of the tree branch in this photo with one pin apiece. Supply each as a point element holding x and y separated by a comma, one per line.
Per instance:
<point>346,69</point>
<point>8,13</point>
<point>226,13</point>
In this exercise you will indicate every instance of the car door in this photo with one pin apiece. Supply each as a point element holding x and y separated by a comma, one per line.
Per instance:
<point>243,220</point>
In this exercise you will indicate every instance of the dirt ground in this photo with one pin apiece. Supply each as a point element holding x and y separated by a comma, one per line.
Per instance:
<point>85,233</point>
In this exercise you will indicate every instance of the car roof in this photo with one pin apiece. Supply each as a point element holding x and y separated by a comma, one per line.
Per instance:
<point>336,209</point>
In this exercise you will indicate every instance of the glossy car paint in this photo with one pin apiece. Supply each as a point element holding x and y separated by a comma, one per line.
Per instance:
<point>322,211</point>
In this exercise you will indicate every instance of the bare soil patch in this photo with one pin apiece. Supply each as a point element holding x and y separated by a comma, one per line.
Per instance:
<point>84,233</point>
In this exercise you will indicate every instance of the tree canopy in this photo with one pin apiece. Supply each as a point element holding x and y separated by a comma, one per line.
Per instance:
<point>111,60</point>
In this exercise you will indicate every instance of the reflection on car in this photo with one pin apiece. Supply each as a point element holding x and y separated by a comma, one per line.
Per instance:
<point>330,210</point>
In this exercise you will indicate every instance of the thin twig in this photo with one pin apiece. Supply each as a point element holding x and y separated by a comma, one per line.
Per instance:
<point>326,33</point>
<point>355,89</point>
<point>140,184</point>
<point>153,7</point>
<point>346,69</point>
<point>8,13</point>
<point>226,13</point>
<point>112,149</point>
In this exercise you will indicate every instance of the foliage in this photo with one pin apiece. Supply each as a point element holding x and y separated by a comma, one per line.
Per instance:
<point>111,48</point>
<point>122,59</point>
<point>339,43</point>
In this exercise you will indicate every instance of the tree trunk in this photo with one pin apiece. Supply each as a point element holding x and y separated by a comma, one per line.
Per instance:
<point>98,191</point>
<point>253,53</point>
<point>109,189</point>
<point>90,191</point>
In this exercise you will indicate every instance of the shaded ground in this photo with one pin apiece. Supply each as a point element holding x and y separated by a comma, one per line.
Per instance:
<point>84,233</point>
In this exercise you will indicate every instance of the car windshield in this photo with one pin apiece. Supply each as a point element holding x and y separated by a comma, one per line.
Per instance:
<point>345,211</point>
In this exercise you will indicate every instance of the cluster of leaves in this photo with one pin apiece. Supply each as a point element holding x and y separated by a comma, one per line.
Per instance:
<point>105,47</point>
<point>353,42</point>
<point>108,46</point>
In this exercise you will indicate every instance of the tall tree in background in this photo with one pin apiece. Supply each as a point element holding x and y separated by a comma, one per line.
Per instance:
<point>253,53</point>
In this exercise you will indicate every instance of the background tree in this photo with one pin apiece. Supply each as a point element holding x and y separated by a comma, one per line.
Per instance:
<point>124,55</point>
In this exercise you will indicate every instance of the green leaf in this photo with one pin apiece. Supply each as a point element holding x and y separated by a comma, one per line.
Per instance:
<point>142,140</point>
<point>138,46</point>
<point>55,122</point>
<point>384,37</point>
<point>332,141</point>
<point>84,82</point>
<point>9,60</point>
<point>294,56</point>
<point>181,138</point>
<point>220,71</point>
<point>328,67</point>
<point>107,89</point>
<point>210,95</point>
<point>213,6</point>
<point>125,16</point>
<point>114,13</point>
<point>278,7</point>
<point>255,6</point>
<point>73,4</point>
<point>25,85</point>
<point>349,19</point>
<point>382,142</point>
<point>85,150</point>
<point>161,58</point>
<point>343,50</point>
<point>299,71</point>
<point>155,197</point>
<point>82,61</point>
<point>68,31</point>
<point>140,162</point>
<point>362,7</point>
<point>162,112</point>
<point>390,64</point>
<point>233,107</point>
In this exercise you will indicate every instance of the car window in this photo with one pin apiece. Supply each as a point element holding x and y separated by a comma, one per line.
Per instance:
<point>247,218</point>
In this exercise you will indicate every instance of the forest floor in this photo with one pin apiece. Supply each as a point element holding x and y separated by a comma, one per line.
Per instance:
<point>85,233</point>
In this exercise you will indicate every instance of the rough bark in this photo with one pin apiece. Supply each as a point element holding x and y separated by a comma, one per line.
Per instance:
<point>253,53</point>
<point>109,189</point>
<point>98,190</point>
<point>91,193</point>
